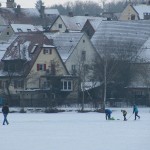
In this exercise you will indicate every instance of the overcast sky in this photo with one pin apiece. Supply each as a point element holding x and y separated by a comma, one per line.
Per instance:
<point>31,3</point>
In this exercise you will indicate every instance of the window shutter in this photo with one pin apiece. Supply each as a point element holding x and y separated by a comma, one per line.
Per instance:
<point>38,67</point>
<point>44,67</point>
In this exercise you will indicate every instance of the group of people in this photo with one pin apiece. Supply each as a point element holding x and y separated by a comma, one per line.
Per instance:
<point>108,113</point>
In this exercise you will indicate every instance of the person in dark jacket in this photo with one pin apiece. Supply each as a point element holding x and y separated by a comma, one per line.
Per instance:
<point>108,114</point>
<point>124,112</point>
<point>135,110</point>
<point>5,111</point>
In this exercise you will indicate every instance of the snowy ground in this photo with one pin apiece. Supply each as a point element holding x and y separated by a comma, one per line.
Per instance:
<point>75,131</point>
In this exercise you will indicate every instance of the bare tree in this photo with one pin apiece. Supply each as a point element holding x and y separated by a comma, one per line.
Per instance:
<point>113,65</point>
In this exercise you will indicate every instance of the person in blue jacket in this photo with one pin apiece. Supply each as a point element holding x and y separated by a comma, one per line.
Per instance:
<point>108,114</point>
<point>135,110</point>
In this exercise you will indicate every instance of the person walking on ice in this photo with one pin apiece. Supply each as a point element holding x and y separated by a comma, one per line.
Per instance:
<point>108,114</point>
<point>124,112</point>
<point>135,110</point>
<point>5,111</point>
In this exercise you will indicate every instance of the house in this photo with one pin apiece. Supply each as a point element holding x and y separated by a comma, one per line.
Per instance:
<point>136,12</point>
<point>33,69</point>
<point>8,30</point>
<point>78,54</point>
<point>122,36</point>
<point>75,49</point>
<point>71,23</point>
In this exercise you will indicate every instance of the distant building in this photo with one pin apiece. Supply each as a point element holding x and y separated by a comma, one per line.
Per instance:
<point>136,12</point>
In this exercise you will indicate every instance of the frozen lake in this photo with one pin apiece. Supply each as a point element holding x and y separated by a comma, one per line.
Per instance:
<point>75,131</point>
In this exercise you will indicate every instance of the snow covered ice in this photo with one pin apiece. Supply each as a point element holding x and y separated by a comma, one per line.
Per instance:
<point>75,131</point>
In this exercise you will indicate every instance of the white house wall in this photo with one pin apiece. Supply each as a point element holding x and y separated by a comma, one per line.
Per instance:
<point>55,26</point>
<point>75,57</point>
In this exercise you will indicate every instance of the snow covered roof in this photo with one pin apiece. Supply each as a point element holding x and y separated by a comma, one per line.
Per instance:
<point>141,9</point>
<point>77,22</point>
<point>25,16</point>
<point>23,48</point>
<point>33,12</point>
<point>49,11</point>
<point>23,28</point>
<point>95,22</point>
<point>18,51</point>
<point>4,46</point>
<point>145,51</point>
<point>65,42</point>
<point>121,32</point>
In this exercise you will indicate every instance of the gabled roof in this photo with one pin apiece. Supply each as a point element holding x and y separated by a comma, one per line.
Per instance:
<point>65,42</point>
<point>76,23</point>
<point>22,48</point>
<point>5,45</point>
<point>121,32</point>
<point>25,16</point>
<point>95,22</point>
<point>23,28</point>
<point>141,9</point>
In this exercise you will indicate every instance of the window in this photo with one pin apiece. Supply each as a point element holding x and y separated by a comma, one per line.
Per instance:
<point>83,55</point>
<point>7,33</point>
<point>34,49</point>
<point>41,67</point>
<point>73,68</point>
<point>47,51</point>
<point>66,85</point>
<point>60,26</point>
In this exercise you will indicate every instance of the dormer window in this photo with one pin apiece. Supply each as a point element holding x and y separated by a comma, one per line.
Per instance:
<point>146,16</point>
<point>19,30</point>
<point>78,24</point>
<point>29,30</point>
<point>34,48</point>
